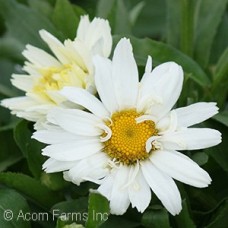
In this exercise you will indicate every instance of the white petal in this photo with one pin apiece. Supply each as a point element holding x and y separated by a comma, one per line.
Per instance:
<point>139,193</point>
<point>39,57</point>
<point>96,35</point>
<point>181,168</point>
<point>104,83</point>
<point>113,189</point>
<point>79,54</point>
<point>21,106</point>
<point>105,188</point>
<point>55,45</point>
<point>92,168</point>
<point>73,151</point>
<point>40,108</point>
<point>55,137</point>
<point>195,113</point>
<point>191,139</point>
<point>148,67</point>
<point>167,123</point>
<point>101,29</point>
<point>133,171</point>
<point>85,99</point>
<point>119,201</point>
<point>83,26</point>
<point>163,186</point>
<point>165,82</point>
<point>18,103</point>
<point>31,69</point>
<point>125,75</point>
<point>22,82</point>
<point>30,116</point>
<point>75,121</point>
<point>148,70</point>
<point>53,166</point>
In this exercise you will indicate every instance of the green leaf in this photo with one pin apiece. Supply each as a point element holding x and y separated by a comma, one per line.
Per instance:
<point>156,218</point>
<point>63,224</point>
<point>53,181</point>
<point>11,123</point>
<point>71,210</point>
<point>104,8</point>
<point>180,24</point>
<point>161,52</point>
<point>23,23</point>
<point>220,79</point>
<point>222,117</point>
<point>11,48</point>
<point>173,21</point>
<point>31,188</point>
<point>222,67</point>
<point>42,6</point>
<point>31,148</point>
<point>152,19</point>
<point>65,18</point>
<point>122,19</point>
<point>220,217</point>
<point>187,26</point>
<point>200,158</point>
<point>220,42</point>
<point>116,221</point>
<point>78,10</point>
<point>219,152</point>
<point>184,219</point>
<point>98,210</point>
<point>135,12</point>
<point>12,206</point>
<point>209,17</point>
<point>117,14</point>
<point>9,152</point>
<point>6,88</point>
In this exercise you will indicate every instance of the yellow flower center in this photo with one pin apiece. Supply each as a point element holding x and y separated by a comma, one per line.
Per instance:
<point>55,78</point>
<point>128,141</point>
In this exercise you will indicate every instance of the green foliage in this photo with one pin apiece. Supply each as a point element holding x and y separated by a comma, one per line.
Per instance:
<point>220,152</point>
<point>71,211</point>
<point>207,17</point>
<point>98,210</point>
<point>10,211</point>
<point>219,219</point>
<point>65,18</point>
<point>9,153</point>
<point>121,18</point>
<point>31,188</point>
<point>29,147</point>
<point>14,15</point>
<point>11,48</point>
<point>184,218</point>
<point>192,33</point>
<point>54,181</point>
<point>117,14</point>
<point>156,217</point>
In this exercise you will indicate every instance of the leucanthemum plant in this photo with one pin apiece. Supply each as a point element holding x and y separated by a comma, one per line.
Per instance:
<point>128,142</point>
<point>71,65</point>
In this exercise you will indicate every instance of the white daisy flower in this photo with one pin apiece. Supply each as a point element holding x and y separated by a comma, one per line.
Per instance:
<point>129,142</point>
<point>71,66</point>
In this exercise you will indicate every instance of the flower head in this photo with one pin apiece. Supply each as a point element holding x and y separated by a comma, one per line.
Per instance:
<point>128,142</point>
<point>71,66</point>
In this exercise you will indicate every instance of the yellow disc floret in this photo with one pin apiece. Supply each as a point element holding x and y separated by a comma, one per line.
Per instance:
<point>55,78</point>
<point>128,141</point>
